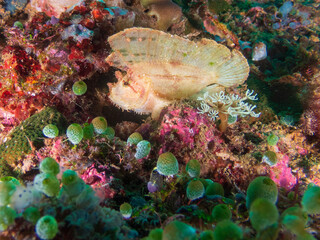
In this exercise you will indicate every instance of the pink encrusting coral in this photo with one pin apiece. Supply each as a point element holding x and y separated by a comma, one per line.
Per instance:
<point>185,130</point>
<point>282,175</point>
<point>185,123</point>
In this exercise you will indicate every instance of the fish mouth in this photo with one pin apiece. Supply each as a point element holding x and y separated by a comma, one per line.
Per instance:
<point>129,94</point>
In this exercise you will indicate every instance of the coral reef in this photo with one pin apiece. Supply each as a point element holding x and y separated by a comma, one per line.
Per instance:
<point>214,160</point>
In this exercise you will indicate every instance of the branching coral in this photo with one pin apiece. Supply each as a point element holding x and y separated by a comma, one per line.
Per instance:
<point>222,105</point>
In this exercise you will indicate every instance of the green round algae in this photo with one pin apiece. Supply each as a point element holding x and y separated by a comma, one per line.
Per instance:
<point>99,124</point>
<point>296,211</point>
<point>206,182</point>
<point>88,131</point>
<point>179,230</point>
<point>49,165</point>
<point>75,133</point>
<point>18,25</point>
<point>214,189</point>
<point>31,214</point>
<point>193,168</point>
<point>263,214</point>
<point>232,119</point>
<point>167,164</point>
<point>227,230</point>
<point>47,183</point>
<point>195,189</point>
<point>295,220</point>
<point>272,140</point>
<point>50,131</point>
<point>311,200</point>
<point>134,138</point>
<point>207,235</point>
<point>7,189</point>
<point>221,212</point>
<point>294,224</point>
<point>10,179</point>
<point>72,184</point>
<point>155,234</point>
<point>7,216</point>
<point>126,210</point>
<point>143,149</point>
<point>69,177</point>
<point>261,187</point>
<point>109,132</point>
<point>270,158</point>
<point>79,88</point>
<point>47,227</point>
